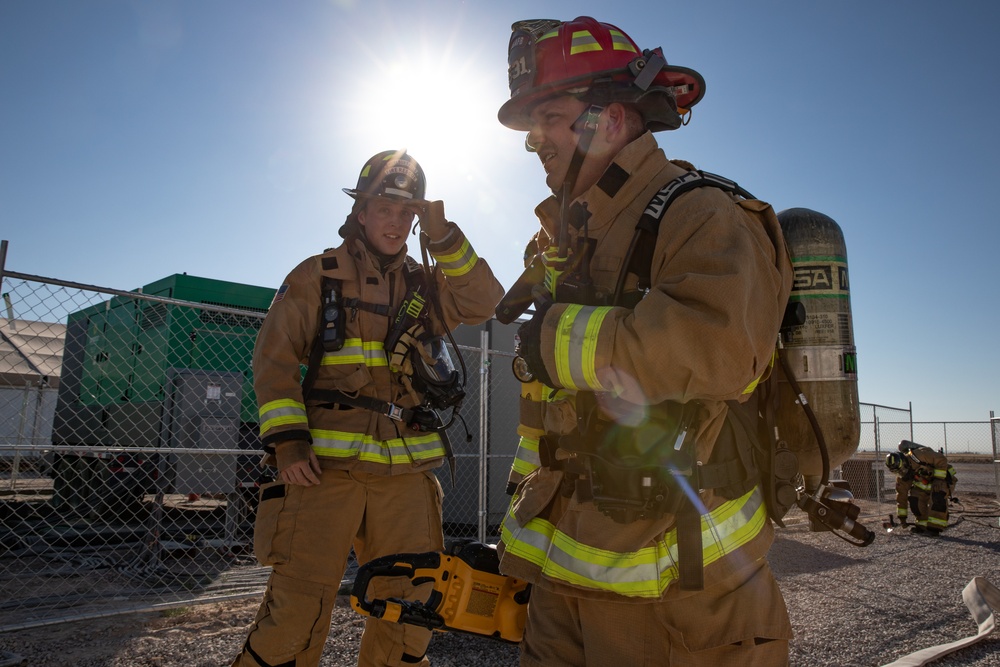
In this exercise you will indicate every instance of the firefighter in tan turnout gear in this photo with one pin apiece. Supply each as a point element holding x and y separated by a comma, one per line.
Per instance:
<point>925,482</point>
<point>634,517</point>
<point>356,441</point>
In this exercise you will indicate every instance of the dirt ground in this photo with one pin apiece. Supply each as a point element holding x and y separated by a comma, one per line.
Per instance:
<point>850,607</point>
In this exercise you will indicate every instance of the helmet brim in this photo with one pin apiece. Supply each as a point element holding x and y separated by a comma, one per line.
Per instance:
<point>364,196</point>
<point>515,113</point>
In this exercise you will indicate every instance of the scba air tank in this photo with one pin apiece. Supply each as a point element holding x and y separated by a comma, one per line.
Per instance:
<point>820,352</point>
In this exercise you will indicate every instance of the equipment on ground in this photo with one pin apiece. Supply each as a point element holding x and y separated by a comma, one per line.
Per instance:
<point>470,595</point>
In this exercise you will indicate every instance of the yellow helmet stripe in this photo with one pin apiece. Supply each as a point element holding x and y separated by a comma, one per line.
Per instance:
<point>583,42</point>
<point>620,42</point>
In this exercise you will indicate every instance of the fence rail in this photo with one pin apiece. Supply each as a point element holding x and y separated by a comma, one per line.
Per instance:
<point>129,455</point>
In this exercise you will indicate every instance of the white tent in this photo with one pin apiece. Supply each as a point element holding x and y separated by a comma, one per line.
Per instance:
<point>30,366</point>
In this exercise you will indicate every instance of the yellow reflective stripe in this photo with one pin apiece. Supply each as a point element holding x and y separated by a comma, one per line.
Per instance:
<point>576,346</point>
<point>940,523</point>
<point>356,352</point>
<point>553,33</point>
<point>280,412</point>
<point>583,42</point>
<point>645,573</point>
<point>940,473</point>
<point>763,376</point>
<point>920,485</point>
<point>620,42</point>
<point>344,444</point>
<point>457,263</point>
<point>901,511</point>
<point>526,458</point>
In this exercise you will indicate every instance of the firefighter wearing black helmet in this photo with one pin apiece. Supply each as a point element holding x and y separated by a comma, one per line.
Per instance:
<point>924,483</point>
<point>355,442</point>
<point>642,532</point>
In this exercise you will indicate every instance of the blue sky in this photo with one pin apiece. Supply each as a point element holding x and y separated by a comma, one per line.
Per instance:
<point>139,139</point>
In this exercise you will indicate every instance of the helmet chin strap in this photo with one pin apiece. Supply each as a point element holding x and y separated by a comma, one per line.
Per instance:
<point>586,126</point>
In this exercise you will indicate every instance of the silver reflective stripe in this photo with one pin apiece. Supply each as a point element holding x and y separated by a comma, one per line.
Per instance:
<point>459,262</point>
<point>577,335</point>
<point>620,42</point>
<point>281,412</point>
<point>526,458</point>
<point>645,573</point>
<point>356,352</point>
<point>344,444</point>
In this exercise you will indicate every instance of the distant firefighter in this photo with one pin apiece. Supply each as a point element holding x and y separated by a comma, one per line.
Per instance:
<point>924,483</point>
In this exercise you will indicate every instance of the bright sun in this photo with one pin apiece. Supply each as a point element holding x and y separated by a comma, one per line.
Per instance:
<point>441,110</point>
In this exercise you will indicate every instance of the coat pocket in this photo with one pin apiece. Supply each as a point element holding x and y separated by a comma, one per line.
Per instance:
<point>272,535</point>
<point>535,493</point>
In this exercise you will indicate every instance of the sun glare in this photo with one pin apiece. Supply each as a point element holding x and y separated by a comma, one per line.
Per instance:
<point>443,112</point>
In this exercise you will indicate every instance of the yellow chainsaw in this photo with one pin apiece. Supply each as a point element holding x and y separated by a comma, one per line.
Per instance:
<point>470,595</point>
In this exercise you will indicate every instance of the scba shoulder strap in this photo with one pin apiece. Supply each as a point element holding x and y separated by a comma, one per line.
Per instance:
<point>639,259</point>
<point>731,470</point>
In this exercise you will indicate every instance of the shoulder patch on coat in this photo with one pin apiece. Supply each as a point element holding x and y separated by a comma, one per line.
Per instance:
<point>613,179</point>
<point>329,263</point>
<point>280,294</point>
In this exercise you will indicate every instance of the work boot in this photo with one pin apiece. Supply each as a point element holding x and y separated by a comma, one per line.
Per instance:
<point>933,532</point>
<point>917,529</point>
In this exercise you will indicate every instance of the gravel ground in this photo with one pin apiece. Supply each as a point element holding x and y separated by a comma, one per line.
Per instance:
<point>850,606</point>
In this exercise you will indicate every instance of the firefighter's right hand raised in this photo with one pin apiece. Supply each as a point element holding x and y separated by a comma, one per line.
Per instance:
<point>432,220</point>
<point>297,463</point>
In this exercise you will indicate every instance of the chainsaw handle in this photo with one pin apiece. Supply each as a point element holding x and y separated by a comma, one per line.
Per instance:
<point>397,565</point>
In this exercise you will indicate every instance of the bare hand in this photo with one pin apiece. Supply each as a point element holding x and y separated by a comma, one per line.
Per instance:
<point>303,473</point>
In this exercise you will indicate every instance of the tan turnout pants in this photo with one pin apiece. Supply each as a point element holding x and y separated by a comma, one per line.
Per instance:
<point>739,622</point>
<point>306,532</point>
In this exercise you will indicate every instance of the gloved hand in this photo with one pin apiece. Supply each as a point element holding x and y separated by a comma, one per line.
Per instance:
<point>530,340</point>
<point>297,463</point>
<point>432,220</point>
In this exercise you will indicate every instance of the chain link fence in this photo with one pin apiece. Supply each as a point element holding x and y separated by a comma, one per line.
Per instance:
<point>971,449</point>
<point>129,448</point>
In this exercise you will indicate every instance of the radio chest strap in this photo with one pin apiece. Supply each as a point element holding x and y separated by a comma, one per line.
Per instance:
<point>330,336</point>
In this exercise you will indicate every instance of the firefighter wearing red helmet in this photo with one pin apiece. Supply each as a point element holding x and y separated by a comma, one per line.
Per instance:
<point>355,441</point>
<point>636,512</point>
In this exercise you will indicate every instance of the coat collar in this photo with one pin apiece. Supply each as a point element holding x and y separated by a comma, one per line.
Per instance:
<point>614,191</point>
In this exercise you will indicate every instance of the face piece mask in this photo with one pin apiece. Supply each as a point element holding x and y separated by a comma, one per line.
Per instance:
<point>434,374</point>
